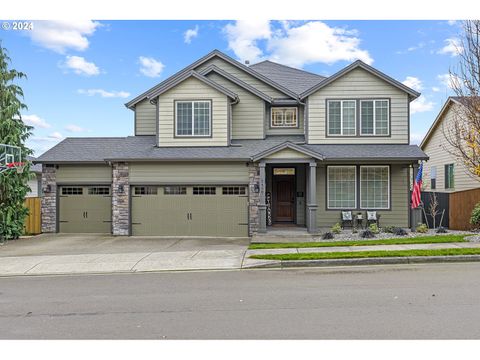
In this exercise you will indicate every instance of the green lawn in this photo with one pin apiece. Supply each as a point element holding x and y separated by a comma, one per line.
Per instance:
<point>369,254</point>
<point>397,241</point>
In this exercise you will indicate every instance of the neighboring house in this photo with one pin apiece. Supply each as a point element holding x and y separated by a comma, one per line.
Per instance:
<point>444,172</point>
<point>225,149</point>
<point>35,183</point>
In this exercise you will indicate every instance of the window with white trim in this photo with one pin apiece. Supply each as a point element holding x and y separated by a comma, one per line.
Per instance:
<point>284,117</point>
<point>341,187</point>
<point>375,187</point>
<point>342,117</point>
<point>433,177</point>
<point>193,118</point>
<point>374,117</point>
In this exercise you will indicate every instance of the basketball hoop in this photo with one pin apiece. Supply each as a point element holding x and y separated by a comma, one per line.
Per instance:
<point>10,158</point>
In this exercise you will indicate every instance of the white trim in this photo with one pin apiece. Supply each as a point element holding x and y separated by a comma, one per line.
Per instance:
<point>209,102</point>
<point>375,117</point>
<point>273,126</point>
<point>388,189</point>
<point>328,187</point>
<point>341,101</point>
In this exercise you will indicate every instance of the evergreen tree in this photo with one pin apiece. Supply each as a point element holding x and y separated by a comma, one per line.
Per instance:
<point>13,131</point>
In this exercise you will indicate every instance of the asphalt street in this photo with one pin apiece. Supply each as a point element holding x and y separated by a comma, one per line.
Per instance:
<point>437,301</point>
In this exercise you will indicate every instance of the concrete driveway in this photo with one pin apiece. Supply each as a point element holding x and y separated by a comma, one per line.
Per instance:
<point>82,253</point>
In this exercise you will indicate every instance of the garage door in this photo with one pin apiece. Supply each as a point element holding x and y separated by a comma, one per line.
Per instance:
<point>85,209</point>
<point>190,210</point>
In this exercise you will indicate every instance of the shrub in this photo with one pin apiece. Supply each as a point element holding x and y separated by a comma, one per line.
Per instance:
<point>422,228</point>
<point>475,218</point>
<point>374,228</point>
<point>441,230</point>
<point>336,229</point>
<point>399,232</point>
<point>367,234</point>
<point>389,229</point>
<point>327,236</point>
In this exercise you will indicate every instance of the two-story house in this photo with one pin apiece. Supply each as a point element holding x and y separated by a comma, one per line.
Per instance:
<point>444,171</point>
<point>225,149</point>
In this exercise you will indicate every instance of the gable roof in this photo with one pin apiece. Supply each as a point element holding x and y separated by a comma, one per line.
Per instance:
<point>294,79</point>
<point>235,80</point>
<point>436,122</point>
<point>360,64</point>
<point>287,145</point>
<point>212,54</point>
<point>197,76</point>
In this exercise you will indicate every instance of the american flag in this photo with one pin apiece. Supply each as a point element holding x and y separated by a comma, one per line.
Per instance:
<point>417,186</point>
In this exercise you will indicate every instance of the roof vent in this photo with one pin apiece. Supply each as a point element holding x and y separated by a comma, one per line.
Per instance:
<point>247,62</point>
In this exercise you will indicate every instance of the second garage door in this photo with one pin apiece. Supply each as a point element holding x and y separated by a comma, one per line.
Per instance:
<point>190,210</point>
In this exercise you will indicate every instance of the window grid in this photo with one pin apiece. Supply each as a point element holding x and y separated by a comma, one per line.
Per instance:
<point>342,117</point>
<point>374,116</point>
<point>175,190</point>
<point>233,190</point>
<point>145,190</point>
<point>204,190</point>
<point>341,187</point>
<point>72,191</point>
<point>104,190</point>
<point>284,117</point>
<point>193,118</point>
<point>374,187</point>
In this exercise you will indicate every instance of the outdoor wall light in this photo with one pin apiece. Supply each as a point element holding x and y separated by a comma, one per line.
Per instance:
<point>121,189</point>
<point>256,188</point>
<point>48,189</point>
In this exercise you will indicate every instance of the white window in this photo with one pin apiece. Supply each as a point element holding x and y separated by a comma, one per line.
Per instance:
<point>374,117</point>
<point>284,117</point>
<point>342,117</point>
<point>374,187</point>
<point>341,187</point>
<point>433,177</point>
<point>193,118</point>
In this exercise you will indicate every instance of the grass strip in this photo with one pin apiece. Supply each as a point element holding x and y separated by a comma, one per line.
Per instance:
<point>369,254</point>
<point>397,241</point>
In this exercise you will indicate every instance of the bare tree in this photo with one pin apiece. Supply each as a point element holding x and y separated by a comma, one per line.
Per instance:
<point>463,134</point>
<point>433,208</point>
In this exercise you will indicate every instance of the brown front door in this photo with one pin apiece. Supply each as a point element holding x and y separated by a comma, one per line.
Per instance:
<point>284,198</point>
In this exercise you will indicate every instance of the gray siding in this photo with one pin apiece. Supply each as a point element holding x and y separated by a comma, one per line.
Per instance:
<point>242,75</point>
<point>84,174</point>
<point>193,89</point>
<point>189,173</point>
<point>300,130</point>
<point>248,115</point>
<point>399,190</point>
<point>437,148</point>
<point>145,118</point>
<point>358,84</point>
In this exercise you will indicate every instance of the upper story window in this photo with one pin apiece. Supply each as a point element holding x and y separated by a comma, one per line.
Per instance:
<point>193,118</point>
<point>374,117</point>
<point>342,117</point>
<point>284,117</point>
<point>449,176</point>
<point>433,177</point>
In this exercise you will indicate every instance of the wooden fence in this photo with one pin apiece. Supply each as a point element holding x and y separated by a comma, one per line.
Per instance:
<point>33,220</point>
<point>461,206</point>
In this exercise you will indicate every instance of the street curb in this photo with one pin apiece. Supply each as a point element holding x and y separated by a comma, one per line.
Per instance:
<point>365,261</point>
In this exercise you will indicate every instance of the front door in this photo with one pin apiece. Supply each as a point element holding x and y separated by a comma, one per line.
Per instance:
<point>284,198</point>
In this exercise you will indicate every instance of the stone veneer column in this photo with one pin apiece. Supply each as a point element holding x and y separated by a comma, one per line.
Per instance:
<point>120,199</point>
<point>49,199</point>
<point>254,202</point>
<point>312,198</point>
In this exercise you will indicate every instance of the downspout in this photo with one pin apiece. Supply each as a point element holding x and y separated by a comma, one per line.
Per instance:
<point>157,135</point>
<point>230,117</point>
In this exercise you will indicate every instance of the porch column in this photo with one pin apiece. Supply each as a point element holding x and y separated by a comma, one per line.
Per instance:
<point>312,198</point>
<point>262,206</point>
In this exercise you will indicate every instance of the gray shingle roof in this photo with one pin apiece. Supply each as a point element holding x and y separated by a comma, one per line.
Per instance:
<point>37,168</point>
<point>142,148</point>
<point>296,80</point>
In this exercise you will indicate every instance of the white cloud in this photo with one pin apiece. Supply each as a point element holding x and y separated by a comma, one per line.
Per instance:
<point>81,66</point>
<point>421,104</point>
<point>416,138</point>
<point>451,22</point>
<point>36,121</point>
<point>104,93</point>
<point>449,80</point>
<point>293,43</point>
<point>190,34</point>
<point>452,47</point>
<point>55,135</point>
<point>435,89</point>
<point>62,35</point>
<point>150,67</point>
<point>413,82</point>
<point>74,128</point>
